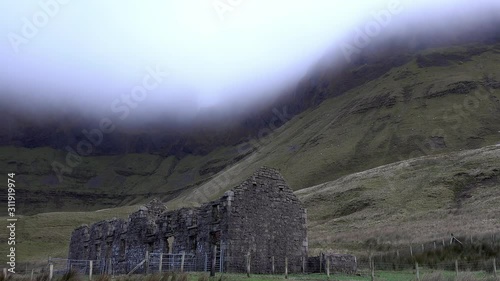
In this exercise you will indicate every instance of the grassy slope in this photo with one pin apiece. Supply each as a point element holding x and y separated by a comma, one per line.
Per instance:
<point>104,181</point>
<point>457,192</point>
<point>43,235</point>
<point>415,201</point>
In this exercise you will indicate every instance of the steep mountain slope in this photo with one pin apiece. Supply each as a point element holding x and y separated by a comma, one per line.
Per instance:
<point>456,192</point>
<point>103,181</point>
<point>436,101</point>
<point>441,101</point>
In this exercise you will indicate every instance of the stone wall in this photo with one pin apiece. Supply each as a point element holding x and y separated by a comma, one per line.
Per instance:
<point>124,242</point>
<point>262,217</point>
<point>343,263</point>
<point>266,219</point>
<point>339,263</point>
<point>79,244</point>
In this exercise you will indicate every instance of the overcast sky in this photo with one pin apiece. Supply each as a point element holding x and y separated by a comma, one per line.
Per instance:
<point>101,56</point>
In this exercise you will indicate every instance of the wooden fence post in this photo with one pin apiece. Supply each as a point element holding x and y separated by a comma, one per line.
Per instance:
<point>456,267</point>
<point>372,267</point>
<point>423,248</point>
<point>286,267</point>
<point>411,250</point>
<point>91,268</point>
<point>303,265</point>
<point>443,243</point>
<point>182,261</point>
<point>32,273</point>
<point>248,264</point>
<point>418,272</point>
<point>320,262</point>
<point>327,267</point>
<point>495,267</point>
<point>205,265</point>
<point>214,260</point>
<point>51,271</point>
<point>160,266</point>
<point>110,267</point>
<point>4,273</point>
<point>272,265</point>
<point>146,264</point>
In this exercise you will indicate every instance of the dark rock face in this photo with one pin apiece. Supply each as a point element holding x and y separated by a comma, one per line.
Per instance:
<point>261,217</point>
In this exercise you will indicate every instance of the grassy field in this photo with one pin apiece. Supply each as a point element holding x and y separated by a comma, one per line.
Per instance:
<point>43,235</point>
<point>380,276</point>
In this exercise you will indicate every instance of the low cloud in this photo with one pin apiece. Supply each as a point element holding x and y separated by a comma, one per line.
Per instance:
<point>94,58</point>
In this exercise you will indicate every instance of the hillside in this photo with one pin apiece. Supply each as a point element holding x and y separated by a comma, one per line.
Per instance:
<point>442,101</point>
<point>410,201</point>
<point>436,101</point>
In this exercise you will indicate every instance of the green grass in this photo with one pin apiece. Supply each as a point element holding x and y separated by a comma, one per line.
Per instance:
<point>379,276</point>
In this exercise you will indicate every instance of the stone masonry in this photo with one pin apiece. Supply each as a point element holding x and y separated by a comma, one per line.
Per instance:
<point>261,217</point>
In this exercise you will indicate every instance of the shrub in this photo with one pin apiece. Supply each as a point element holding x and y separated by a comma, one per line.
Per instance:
<point>42,277</point>
<point>466,277</point>
<point>203,277</point>
<point>103,277</point>
<point>183,277</point>
<point>71,275</point>
<point>156,277</point>
<point>436,277</point>
<point>166,276</point>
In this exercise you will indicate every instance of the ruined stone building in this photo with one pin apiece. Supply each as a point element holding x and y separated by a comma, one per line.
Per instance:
<point>262,217</point>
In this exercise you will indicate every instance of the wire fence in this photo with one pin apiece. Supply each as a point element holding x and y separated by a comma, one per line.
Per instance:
<point>364,268</point>
<point>454,255</point>
<point>485,241</point>
<point>153,263</point>
<point>62,266</point>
